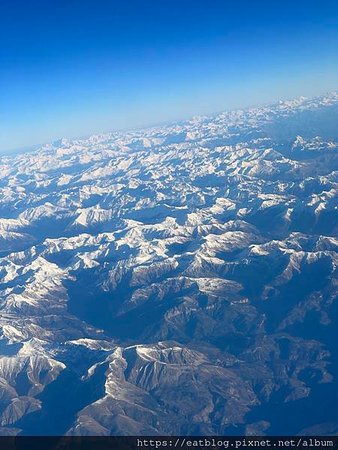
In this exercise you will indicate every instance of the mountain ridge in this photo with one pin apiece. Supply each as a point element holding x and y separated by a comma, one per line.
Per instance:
<point>181,279</point>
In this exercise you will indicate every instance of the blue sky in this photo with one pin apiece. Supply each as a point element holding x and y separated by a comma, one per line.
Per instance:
<point>76,67</point>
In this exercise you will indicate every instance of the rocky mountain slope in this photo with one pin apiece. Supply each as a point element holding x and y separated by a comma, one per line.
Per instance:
<point>174,280</point>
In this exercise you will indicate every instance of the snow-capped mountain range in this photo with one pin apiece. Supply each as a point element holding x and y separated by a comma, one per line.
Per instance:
<point>174,280</point>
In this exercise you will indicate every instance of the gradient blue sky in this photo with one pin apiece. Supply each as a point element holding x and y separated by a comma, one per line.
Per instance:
<point>76,67</point>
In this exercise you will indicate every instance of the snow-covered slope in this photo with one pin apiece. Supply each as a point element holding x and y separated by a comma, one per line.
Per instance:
<point>174,280</point>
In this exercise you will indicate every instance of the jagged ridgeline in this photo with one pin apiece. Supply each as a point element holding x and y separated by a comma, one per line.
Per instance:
<point>175,280</point>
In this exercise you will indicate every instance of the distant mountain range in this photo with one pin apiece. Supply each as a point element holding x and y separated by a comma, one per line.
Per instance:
<point>176,280</point>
